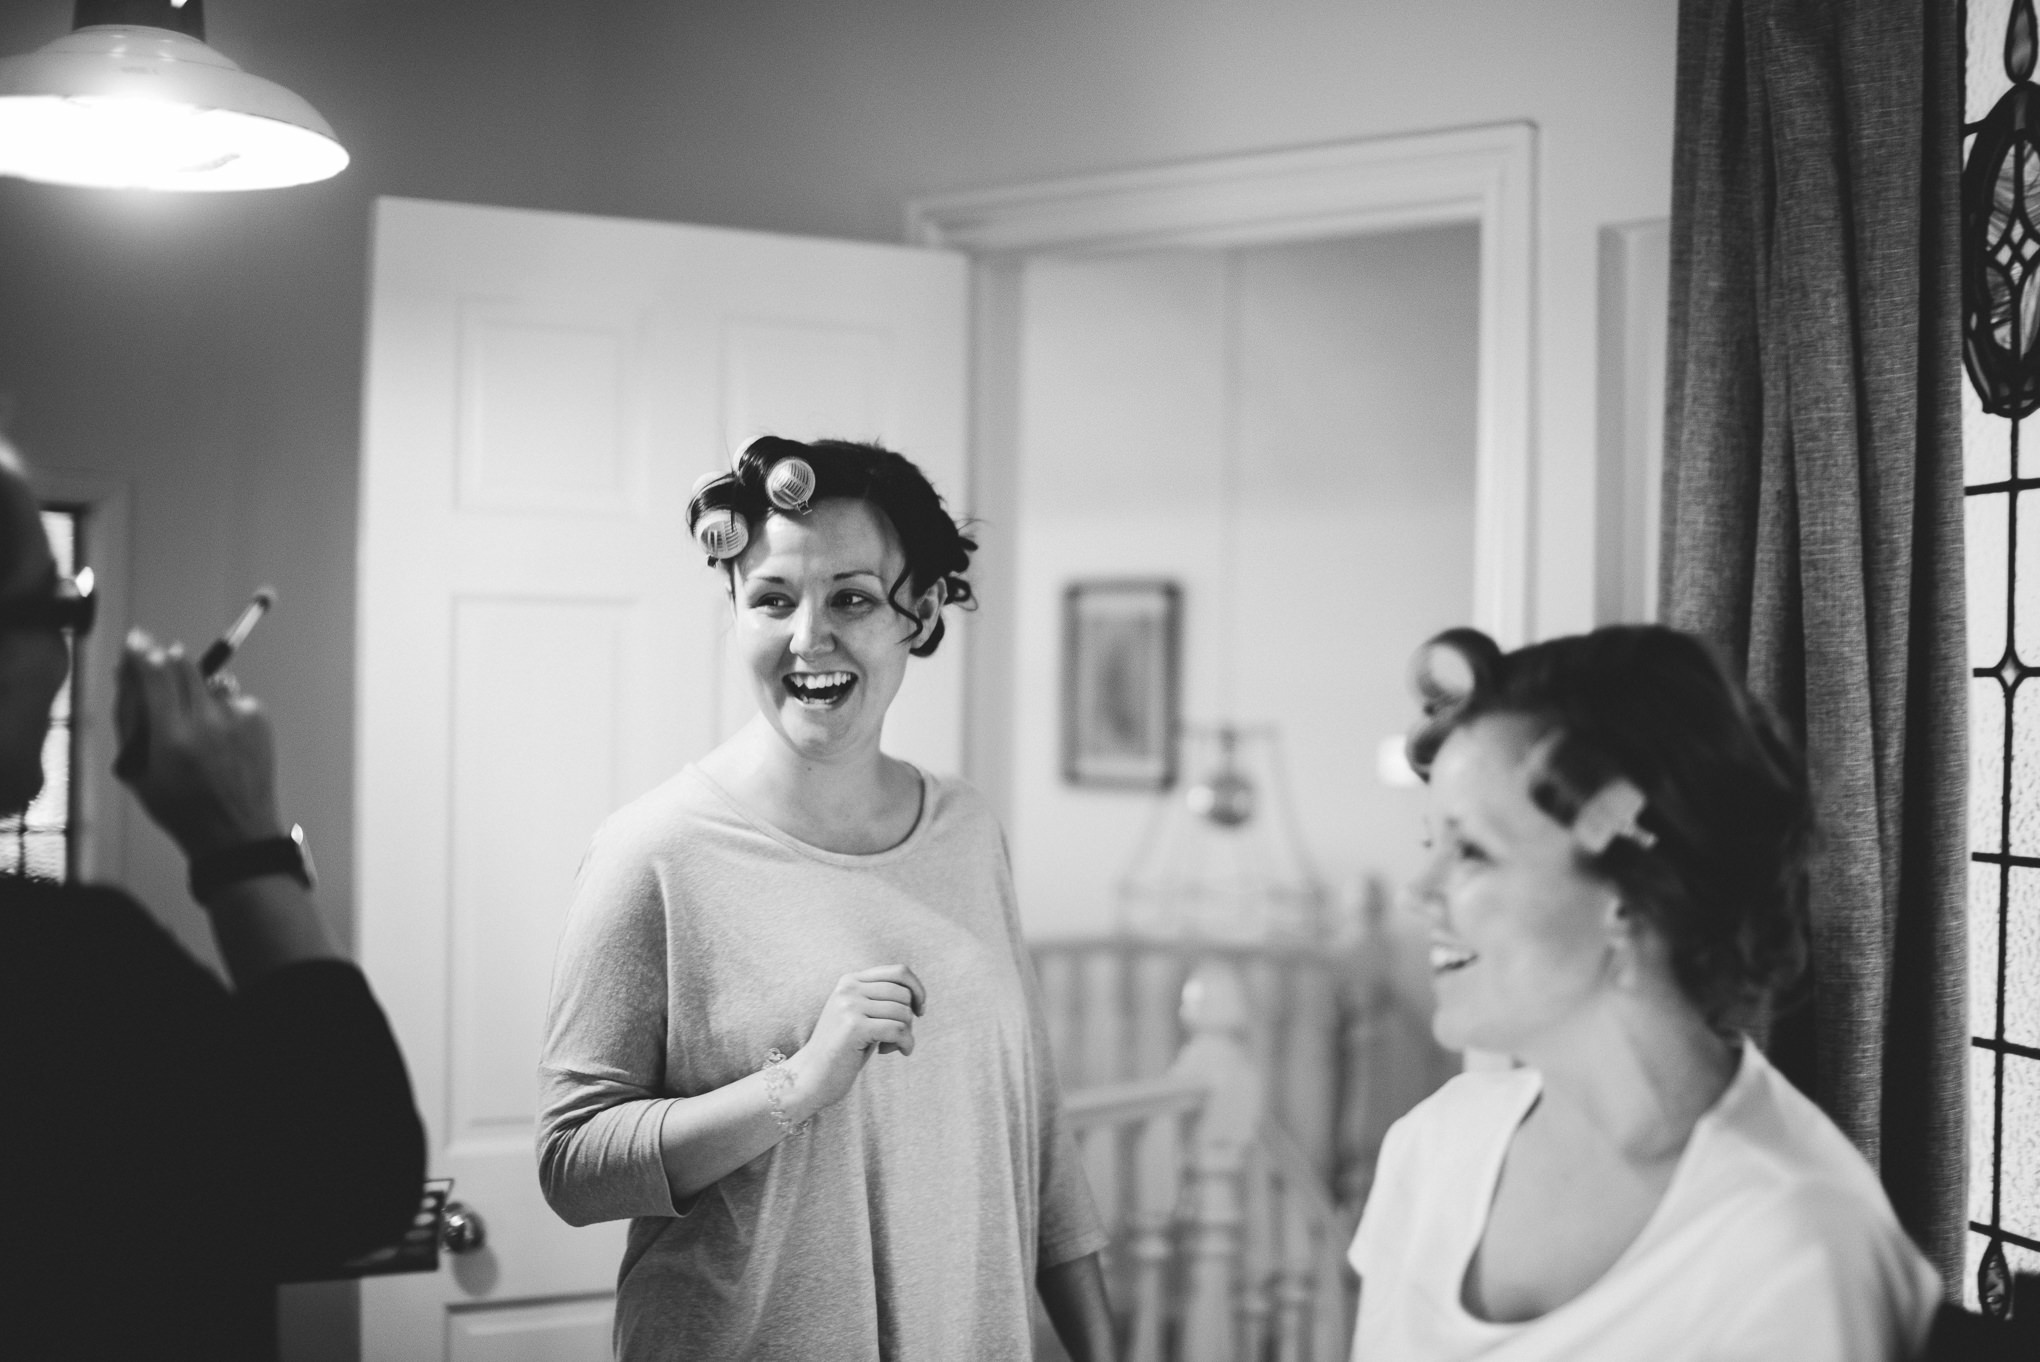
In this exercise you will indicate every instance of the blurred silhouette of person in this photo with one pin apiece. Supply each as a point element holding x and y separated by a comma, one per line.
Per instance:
<point>175,1146</point>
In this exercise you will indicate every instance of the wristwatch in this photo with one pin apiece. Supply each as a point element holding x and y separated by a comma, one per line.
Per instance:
<point>215,870</point>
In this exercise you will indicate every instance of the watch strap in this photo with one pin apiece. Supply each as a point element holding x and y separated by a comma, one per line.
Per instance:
<point>215,870</point>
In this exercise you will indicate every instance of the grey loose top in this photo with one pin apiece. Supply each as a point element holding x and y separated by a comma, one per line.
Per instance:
<point>909,1220</point>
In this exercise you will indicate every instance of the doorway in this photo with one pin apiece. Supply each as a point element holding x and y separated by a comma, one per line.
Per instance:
<point>1287,431</point>
<point>1482,177</point>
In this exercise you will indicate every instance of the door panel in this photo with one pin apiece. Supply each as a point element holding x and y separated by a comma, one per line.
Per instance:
<point>535,381</point>
<point>559,702</point>
<point>539,641</point>
<point>558,1331</point>
<point>803,381</point>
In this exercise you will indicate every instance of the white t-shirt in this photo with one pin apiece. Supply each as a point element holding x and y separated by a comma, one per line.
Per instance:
<point>1774,1240</point>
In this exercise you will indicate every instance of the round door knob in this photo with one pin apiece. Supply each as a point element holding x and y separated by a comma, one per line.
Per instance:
<point>463,1230</point>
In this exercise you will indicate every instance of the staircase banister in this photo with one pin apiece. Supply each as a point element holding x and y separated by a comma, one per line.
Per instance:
<point>1112,1104</point>
<point>1293,1166</point>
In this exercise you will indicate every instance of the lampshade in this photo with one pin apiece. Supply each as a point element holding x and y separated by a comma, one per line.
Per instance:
<point>1224,861</point>
<point>134,99</point>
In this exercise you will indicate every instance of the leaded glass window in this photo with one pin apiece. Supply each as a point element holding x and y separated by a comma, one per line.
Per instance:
<point>2001,334</point>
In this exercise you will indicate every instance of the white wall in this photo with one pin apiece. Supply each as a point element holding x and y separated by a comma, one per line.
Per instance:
<point>1351,509</point>
<point>924,96</point>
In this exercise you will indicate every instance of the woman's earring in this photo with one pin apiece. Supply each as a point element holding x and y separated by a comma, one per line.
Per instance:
<point>1622,946</point>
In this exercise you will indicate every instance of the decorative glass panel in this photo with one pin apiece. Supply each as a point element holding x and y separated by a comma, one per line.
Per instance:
<point>1986,764</point>
<point>2001,352</point>
<point>2020,936</point>
<point>2019,1153</point>
<point>1984,905</point>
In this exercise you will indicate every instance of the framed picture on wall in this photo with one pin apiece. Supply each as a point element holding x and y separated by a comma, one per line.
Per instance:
<point>1121,681</point>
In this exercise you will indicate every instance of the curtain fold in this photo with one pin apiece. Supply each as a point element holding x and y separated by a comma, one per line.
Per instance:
<point>1813,518</point>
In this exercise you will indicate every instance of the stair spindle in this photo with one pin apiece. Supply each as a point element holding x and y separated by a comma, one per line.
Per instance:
<point>1158,1181</point>
<point>1216,1014</point>
<point>1258,1255</point>
<point>1295,1278</point>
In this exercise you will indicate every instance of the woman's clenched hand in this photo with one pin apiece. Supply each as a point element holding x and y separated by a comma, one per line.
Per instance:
<point>871,1011</point>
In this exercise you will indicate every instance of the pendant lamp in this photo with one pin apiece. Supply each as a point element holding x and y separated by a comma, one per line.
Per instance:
<point>134,99</point>
<point>1224,861</point>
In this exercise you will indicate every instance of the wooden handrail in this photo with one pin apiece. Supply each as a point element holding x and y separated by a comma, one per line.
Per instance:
<point>1293,1167</point>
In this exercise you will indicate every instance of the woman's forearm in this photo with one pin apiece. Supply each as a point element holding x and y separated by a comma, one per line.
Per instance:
<point>1073,1293</point>
<point>869,1012</point>
<point>706,1138</point>
<point>265,923</point>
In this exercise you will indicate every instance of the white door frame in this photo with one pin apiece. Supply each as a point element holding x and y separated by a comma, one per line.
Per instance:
<point>1483,175</point>
<point>1635,292</point>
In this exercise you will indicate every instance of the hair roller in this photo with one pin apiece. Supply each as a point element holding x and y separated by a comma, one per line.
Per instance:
<point>755,460</point>
<point>1447,672</point>
<point>715,519</point>
<point>774,475</point>
<point>791,484</point>
<point>721,533</point>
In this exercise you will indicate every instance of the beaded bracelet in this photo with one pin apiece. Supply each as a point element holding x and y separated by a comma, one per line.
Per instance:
<point>778,1082</point>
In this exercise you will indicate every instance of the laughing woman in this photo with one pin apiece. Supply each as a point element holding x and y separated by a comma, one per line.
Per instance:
<point>793,1036</point>
<point>1618,835</point>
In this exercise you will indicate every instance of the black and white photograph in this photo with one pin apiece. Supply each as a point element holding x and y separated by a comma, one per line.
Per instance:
<point>911,681</point>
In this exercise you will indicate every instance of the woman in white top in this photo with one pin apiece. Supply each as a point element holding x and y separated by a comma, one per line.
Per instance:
<point>1618,837</point>
<point>793,1036</point>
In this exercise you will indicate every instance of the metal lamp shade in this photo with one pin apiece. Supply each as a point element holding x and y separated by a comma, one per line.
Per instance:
<point>138,107</point>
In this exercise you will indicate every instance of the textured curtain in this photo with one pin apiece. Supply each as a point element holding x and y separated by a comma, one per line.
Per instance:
<point>1813,517</point>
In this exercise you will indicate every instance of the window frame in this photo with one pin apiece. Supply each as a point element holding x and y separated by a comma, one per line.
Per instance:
<point>16,830</point>
<point>99,811</point>
<point>1998,674</point>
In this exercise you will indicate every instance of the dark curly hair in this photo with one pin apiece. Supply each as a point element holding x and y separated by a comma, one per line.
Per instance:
<point>1726,790</point>
<point>934,545</point>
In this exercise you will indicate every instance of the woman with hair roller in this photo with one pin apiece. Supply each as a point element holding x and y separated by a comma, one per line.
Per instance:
<point>793,1034</point>
<point>1615,890</point>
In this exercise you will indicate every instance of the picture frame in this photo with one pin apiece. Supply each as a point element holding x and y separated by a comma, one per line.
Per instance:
<point>1122,682</point>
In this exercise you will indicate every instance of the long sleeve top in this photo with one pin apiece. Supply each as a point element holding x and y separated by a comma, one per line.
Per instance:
<point>172,1149</point>
<point>908,1221</point>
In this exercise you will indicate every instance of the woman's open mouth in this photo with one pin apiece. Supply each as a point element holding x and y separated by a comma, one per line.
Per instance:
<point>821,689</point>
<point>1445,958</point>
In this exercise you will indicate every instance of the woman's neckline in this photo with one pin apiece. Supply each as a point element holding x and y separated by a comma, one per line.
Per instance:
<point>778,834</point>
<point>1532,1089</point>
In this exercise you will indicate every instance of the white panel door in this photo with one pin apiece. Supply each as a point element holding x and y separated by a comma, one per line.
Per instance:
<point>540,642</point>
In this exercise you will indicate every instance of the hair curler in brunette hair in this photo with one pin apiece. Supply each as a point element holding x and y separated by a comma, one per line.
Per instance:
<point>1714,854</point>
<point>777,476</point>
